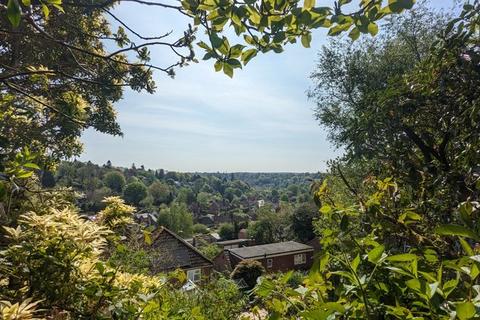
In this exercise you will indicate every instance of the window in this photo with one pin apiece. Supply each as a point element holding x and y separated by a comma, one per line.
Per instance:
<point>269,263</point>
<point>195,275</point>
<point>300,258</point>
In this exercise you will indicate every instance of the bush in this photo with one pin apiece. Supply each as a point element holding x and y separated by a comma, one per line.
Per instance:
<point>227,231</point>
<point>116,213</point>
<point>249,271</point>
<point>200,229</point>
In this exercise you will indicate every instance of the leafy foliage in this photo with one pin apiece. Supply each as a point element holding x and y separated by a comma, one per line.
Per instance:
<point>135,192</point>
<point>249,271</point>
<point>390,254</point>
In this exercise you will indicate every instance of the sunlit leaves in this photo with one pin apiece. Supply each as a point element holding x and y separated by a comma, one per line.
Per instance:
<point>456,230</point>
<point>306,39</point>
<point>465,310</point>
<point>273,24</point>
<point>248,55</point>
<point>375,254</point>
<point>14,9</point>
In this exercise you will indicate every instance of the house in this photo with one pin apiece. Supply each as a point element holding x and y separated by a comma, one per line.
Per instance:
<point>169,252</point>
<point>275,257</point>
<point>221,262</point>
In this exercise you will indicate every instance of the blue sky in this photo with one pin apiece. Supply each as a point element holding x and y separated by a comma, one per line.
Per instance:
<point>261,120</point>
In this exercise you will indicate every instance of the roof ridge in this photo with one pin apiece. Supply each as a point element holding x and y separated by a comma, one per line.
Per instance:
<point>188,245</point>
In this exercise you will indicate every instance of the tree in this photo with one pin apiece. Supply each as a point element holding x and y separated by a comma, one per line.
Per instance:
<point>302,221</point>
<point>384,113</point>
<point>160,192</point>
<point>185,195</point>
<point>177,218</point>
<point>227,231</point>
<point>135,192</point>
<point>249,271</point>
<point>199,228</point>
<point>270,226</point>
<point>204,200</point>
<point>63,99</point>
<point>115,180</point>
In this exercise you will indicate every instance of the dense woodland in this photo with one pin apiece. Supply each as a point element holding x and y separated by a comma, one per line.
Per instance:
<point>188,203</point>
<point>397,216</point>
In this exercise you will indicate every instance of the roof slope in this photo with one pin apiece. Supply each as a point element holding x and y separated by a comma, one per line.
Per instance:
<point>270,249</point>
<point>169,252</point>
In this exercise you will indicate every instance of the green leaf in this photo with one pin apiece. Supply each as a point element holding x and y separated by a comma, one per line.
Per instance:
<point>236,50</point>
<point>25,175</point>
<point>465,310</point>
<point>373,28</point>
<point>354,34</point>
<point>336,30</point>
<point>31,166</point>
<point>14,13</point>
<point>449,286</point>
<point>345,274</point>
<point>375,254</point>
<point>248,55</point>
<point>26,3</point>
<point>215,40</point>
<point>306,39</point>
<point>234,63</point>
<point>228,70</point>
<point>466,247</point>
<point>308,4</point>
<point>355,263</point>
<point>456,230</point>
<point>264,288</point>
<point>203,45</point>
<point>218,65</point>
<point>45,10</point>
<point>404,257</point>
<point>398,6</point>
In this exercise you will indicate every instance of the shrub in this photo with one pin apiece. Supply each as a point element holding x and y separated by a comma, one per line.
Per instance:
<point>227,231</point>
<point>249,271</point>
<point>116,213</point>
<point>199,228</point>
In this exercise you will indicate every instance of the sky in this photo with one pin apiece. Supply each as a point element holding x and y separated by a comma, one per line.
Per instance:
<point>203,121</point>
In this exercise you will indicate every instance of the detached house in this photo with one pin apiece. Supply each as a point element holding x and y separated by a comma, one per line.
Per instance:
<point>168,252</point>
<point>282,256</point>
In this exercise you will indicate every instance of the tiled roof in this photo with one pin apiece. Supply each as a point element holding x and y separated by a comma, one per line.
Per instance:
<point>169,252</point>
<point>270,249</point>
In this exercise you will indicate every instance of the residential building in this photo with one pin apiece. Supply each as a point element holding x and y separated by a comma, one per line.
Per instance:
<point>169,252</point>
<point>282,256</point>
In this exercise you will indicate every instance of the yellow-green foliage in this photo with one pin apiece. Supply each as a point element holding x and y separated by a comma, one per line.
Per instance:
<point>24,310</point>
<point>56,259</point>
<point>116,213</point>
